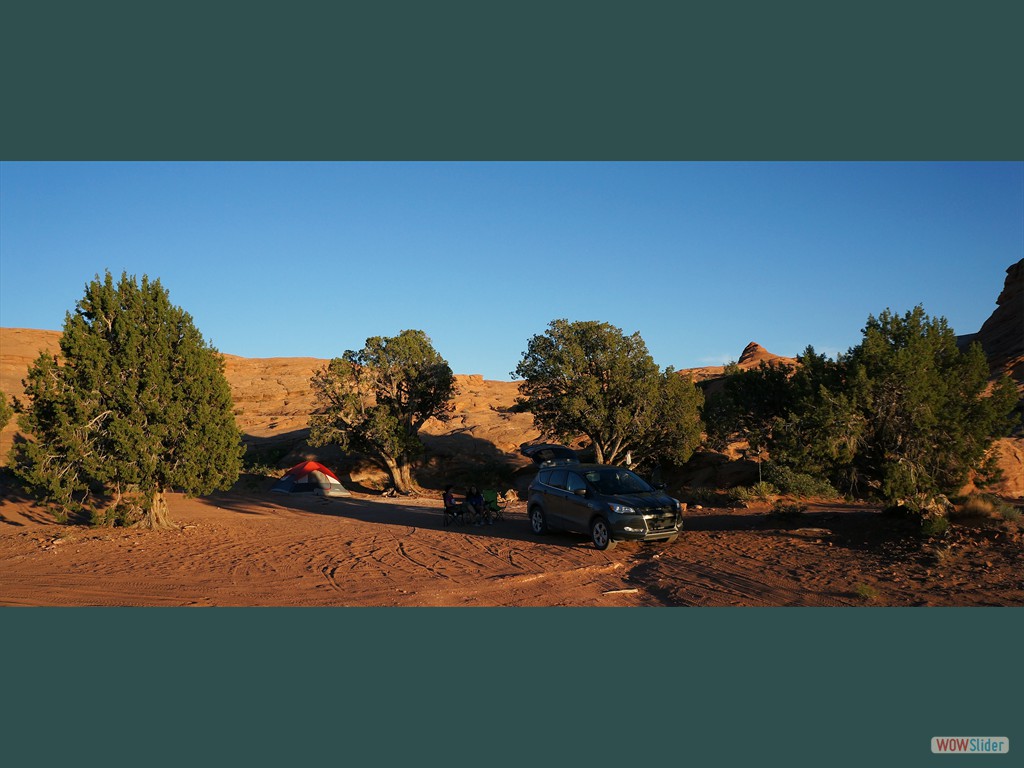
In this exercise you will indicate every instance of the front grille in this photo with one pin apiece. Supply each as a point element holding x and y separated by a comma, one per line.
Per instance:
<point>662,520</point>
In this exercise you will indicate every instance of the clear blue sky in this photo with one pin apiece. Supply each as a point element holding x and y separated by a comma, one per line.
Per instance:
<point>309,259</point>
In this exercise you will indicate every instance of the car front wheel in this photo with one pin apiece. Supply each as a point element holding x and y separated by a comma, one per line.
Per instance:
<point>601,534</point>
<point>538,524</point>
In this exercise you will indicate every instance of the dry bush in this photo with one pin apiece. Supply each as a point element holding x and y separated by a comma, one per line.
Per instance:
<point>983,507</point>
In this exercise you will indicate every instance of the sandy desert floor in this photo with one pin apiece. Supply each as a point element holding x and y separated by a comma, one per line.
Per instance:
<point>263,549</point>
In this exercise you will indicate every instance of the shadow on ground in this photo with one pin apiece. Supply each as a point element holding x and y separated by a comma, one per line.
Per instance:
<point>407,512</point>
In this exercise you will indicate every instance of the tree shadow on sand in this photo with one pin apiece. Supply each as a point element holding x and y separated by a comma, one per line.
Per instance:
<point>457,457</point>
<point>850,526</point>
<point>405,513</point>
<point>18,507</point>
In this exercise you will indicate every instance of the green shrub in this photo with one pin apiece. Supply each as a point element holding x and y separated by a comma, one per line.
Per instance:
<point>788,508</point>
<point>264,461</point>
<point>704,495</point>
<point>1008,512</point>
<point>799,484</point>
<point>865,592</point>
<point>261,470</point>
<point>985,507</point>
<point>974,506</point>
<point>934,526</point>
<point>762,491</point>
<point>1002,509</point>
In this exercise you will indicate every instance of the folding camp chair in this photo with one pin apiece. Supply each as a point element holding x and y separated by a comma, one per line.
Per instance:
<point>494,504</point>
<point>455,515</point>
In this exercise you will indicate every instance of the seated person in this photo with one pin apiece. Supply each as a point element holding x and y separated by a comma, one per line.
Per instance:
<point>451,506</point>
<point>475,502</point>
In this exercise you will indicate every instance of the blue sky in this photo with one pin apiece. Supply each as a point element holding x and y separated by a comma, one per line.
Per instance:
<point>309,259</point>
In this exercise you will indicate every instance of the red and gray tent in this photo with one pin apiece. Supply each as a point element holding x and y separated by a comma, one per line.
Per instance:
<point>310,477</point>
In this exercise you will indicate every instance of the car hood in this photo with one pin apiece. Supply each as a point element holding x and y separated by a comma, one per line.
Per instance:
<point>643,502</point>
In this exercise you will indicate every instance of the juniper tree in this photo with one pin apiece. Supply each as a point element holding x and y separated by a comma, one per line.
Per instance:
<point>135,405</point>
<point>905,414</point>
<point>825,425</point>
<point>930,417</point>
<point>375,400</point>
<point>590,378</point>
<point>749,405</point>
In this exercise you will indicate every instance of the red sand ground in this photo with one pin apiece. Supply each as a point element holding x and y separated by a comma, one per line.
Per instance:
<point>263,549</point>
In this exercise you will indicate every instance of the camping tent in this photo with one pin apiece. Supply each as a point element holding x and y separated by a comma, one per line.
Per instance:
<point>310,477</point>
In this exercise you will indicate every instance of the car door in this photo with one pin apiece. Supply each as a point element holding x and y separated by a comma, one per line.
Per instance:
<point>555,501</point>
<point>577,510</point>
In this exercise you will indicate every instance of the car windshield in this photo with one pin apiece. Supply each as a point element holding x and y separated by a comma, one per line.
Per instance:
<point>614,481</point>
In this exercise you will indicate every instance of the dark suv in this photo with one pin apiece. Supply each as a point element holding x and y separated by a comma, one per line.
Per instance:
<point>610,503</point>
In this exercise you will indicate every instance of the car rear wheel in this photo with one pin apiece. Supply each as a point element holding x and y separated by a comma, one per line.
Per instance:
<point>601,534</point>
<point>538,524</point>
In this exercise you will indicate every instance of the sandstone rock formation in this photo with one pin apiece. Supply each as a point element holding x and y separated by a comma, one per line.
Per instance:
<point>711,378</point>
<point>1002,335</point>
<point>754,354</point>
<point>1002,338</point>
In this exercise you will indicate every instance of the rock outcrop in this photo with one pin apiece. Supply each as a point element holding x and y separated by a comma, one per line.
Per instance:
<point>1002,335</point>
<point>754,354</point>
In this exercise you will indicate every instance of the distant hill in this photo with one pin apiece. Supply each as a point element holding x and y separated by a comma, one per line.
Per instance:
<point>752,356</point>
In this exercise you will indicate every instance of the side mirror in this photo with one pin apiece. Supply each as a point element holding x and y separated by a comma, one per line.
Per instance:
<point>581,492</point>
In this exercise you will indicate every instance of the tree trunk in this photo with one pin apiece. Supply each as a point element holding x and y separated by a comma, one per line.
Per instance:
<point>157,518</point>
<point>401,474</point>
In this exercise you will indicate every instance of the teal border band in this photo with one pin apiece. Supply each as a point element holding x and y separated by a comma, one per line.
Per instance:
<point>710,687</point>
<point>529,80</point>
<point>596,80</point>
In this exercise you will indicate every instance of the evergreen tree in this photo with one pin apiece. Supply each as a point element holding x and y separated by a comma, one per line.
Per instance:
<point>750,404</point>
<point>674,429</point>
<point>904,415</point>
<point>375,401</point>
<point>823,428</point>
<point>136,405</point>
<point>590,378</point>
<point>928,416</point>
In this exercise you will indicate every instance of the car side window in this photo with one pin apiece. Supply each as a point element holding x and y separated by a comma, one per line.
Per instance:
<point>557,479</point>
<point>575,483</point>
<point>544,476</point>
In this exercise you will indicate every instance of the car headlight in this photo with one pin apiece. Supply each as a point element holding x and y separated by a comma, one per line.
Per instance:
<point>619,509</point>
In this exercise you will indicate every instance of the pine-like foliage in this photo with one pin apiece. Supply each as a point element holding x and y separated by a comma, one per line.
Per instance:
<point>589,378</point>
<point>929,419</point>
<point>375,401</point>
<point>749,404</point>
<point>903,416</point>
<point>136,405</point>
